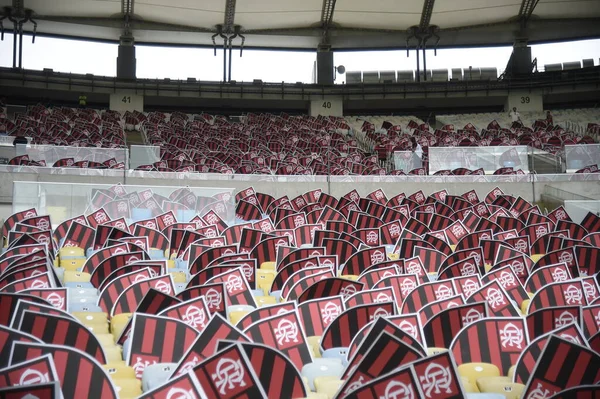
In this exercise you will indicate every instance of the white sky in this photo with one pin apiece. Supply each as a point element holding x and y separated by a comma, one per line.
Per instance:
<point>180,63</point>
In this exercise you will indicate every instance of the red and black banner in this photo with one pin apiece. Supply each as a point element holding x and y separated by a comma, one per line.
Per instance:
<point>543,321</point>
<point>568,293</point>
<point>156,339</point>
<point>442,327</point>
<point>499,341</point>
<point>81,376</point>
<point>317,314</point>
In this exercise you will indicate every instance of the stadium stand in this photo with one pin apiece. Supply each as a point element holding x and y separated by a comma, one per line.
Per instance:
<point>395,236</point>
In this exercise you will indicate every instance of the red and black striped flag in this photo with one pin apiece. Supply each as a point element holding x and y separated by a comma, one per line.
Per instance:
<point>36,281</point>
<point>437,376</point>
<point>465,267</point>
<point>342,249</point>
<point>332,286</point>
<point>129,299</point>
<point>499,302</point>
<point>438,244</point>
<point>361,260</point>
<point>317,314</point>
<point>81,376</point>
<point>229,374</point>
<point>591,222</point>
<point>499,341</point>
<point>8,336</point>
<point>442,327</point>
<point>233,234</point>
<point>156,268</point>
<point>156,339</point>
<point>205,344</point>
<point>298,254</point>
<point>264,312</point>
<point>278,376</point>
<point>79,235</point>
<point>304,279</point>
<point>401,285</point>
<point>266,249</point>
<point>341,331</point>
<point>563,364</point>
<point>401,383</point>
<point>237,287</point>
<point>192,312</point>
<point>15,218</point>
<point>305,234</point>
<point>155,238</point>
<point>433,308</point>
<point>365,297</point>
<point>526,362</point>
<point>425,293</point>
<point>30,372</point>
<point>59,330</point>
<point>569,293</point>
<point>577,232</point>
<point>284,333</point>
<point>542,276</point>
<point>588,259</point>
<point>509,281</point>
<point>545,320</point>
<point>385,354</point>
<point>114,262</point>
<point>97,257</point>
<point>208,255</point>
<point>215,296</point>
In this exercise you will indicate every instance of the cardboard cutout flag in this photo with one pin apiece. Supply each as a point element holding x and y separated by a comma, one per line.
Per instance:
<point>433,308</point>
<point>568,293</point>
<point>264,312</point>
<point>401,285</point>
<point>591,319</point>
<point>80,375</point>
<point>25,305</point>
<point>15,218</point>
<point>361,260</point>
<point>509,281</point>
<point>79,235</point>
<point>401,383</point>
<point>215,296</point>
<point>30,372</point>
<point>205,344</point>
<point>530,355</point>
<point>494,340</point>
<point>156,239</point>
<point>8,336</point>
<point>385,353</point>
<point>365,297</point>
<point>208,255</point>
<point>238,290</point>
<point>38,281</point>
<point>543,321</point>
<point>563,364</point>
<point>156,339</point>
<point>426,293</point>
<point>330,287</point>
<point>499,302</point>
<point>543,276</point>
<point>48,390</point>
<point>341,331</point>
<point>59,330</point>
<point>311,276</point>
<point>442,327</point>
<point>278,376</point>
<point>129,299</point>
<point>317,314</point>
<point>229,374</point>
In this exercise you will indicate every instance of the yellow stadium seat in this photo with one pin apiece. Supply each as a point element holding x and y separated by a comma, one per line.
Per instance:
<point>328,385</point>
<point>306,384</point>
<point>487,267</point>
<point>511,372</point>
<point>129,386</point>
<point>72,276</point>
<point>510,390</point>
<point>525,306</point>
<point>434,351</point>
<point>119,370</point>
<point>530,295</point>
<point>313,344</point>
<point>473,371</point>
<point>393,256</point>
<point>265,300</point>
<point>484,383</point>
<point>71,251</point>
<point>236,315</point>
<point>106,340</point>
<point>469,386</point>
<point>179,277</point>
<point>352,277</point>
<point>118,323</point>
<point>268,266</point>
<point>536,257</point>
<point>264,279</point>
<point>91,318</point>
<point>72,264</point>
<point>98,328</point>
<point>113,354</point>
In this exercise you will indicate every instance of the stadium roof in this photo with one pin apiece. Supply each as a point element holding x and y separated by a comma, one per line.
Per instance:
<point>304,24</point>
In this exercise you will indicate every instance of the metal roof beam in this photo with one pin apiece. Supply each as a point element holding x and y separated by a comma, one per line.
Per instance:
<point>229,20</point>
<point>527,7</point>
<point>327,19</point>
<point>426,14</point>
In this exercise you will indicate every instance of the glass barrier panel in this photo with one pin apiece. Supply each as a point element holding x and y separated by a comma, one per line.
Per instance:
<point>407,161</point>
<point>578,209</point>
<point>581,155</point>
<point>63,201</point>
<point>51,154</point>
<point>488,158</point>
<point>143,155</point>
